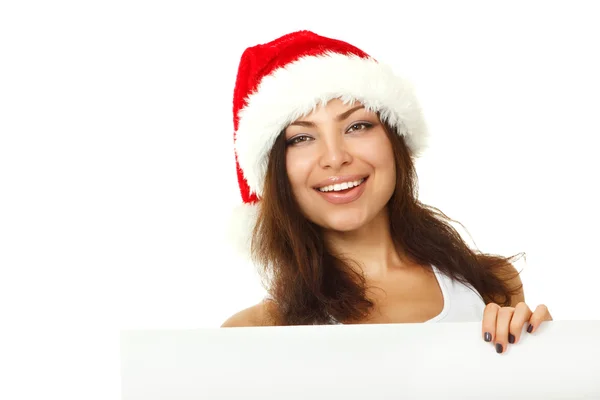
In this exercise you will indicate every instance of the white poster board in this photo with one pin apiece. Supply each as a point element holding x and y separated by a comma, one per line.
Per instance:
<point>447,360</point>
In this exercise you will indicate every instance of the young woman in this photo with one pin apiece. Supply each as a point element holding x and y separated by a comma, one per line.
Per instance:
<point>325,140</point>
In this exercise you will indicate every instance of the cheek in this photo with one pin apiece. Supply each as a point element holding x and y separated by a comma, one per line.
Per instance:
<point>298,168</point>
<point>388,165</point>
<point>379,155</point>
<point>377,152</point>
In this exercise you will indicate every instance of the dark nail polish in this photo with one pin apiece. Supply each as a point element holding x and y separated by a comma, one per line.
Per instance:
<point>511,338</point>
<point>487,337</point>
<point>530,328</point>
<point>498,348</point>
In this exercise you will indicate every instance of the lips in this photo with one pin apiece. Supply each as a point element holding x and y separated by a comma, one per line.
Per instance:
<point>343,192</point>
<point>334,180</point>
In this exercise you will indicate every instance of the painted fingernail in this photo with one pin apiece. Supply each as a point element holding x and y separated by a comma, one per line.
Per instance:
<point>511,338</point>
<point>487,337</point>
<point>498,348</point>
<point>530,328</point>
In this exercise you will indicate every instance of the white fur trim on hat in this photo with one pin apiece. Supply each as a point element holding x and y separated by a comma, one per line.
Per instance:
<point>295,90</point>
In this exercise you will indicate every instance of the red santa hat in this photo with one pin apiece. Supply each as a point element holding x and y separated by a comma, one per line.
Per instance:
<point>288,78</point>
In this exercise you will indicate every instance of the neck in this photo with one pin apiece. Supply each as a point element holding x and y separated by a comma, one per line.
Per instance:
<point>371,247</point>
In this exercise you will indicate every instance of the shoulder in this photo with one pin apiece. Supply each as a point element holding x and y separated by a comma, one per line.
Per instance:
<point>261,314</point>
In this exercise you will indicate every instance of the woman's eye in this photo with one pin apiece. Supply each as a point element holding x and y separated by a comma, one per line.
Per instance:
<point>298,139</point>
<point>359,126</point>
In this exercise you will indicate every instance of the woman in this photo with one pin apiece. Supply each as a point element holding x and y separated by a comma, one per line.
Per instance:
<point>325,140</point>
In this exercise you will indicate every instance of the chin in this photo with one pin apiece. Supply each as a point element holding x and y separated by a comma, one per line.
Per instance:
<point>344,222</point>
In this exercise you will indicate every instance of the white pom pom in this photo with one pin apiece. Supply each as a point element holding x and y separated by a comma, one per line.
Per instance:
<point>240,226</point>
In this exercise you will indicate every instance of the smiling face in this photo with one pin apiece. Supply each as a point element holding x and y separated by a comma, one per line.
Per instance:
<point>340,165</point>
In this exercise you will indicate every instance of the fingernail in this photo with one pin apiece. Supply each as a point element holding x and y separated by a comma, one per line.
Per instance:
<point>487,337</point>
<point>511,338</point>
<point>498,348</point>
<point>530,328</point>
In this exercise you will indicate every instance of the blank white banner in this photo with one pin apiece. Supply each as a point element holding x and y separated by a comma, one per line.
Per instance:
<point>447,360</point>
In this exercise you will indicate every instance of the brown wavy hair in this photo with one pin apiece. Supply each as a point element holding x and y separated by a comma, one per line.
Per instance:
<point>310,285</point>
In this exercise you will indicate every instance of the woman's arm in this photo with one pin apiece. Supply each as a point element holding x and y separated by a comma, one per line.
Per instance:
<point>503,325</point>
<point>511,276</point>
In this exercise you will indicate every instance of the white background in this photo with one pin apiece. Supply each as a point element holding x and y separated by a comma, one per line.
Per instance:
<point>117,171</point>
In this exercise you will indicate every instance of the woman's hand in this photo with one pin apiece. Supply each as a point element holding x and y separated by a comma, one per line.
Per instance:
<point>503,325</point>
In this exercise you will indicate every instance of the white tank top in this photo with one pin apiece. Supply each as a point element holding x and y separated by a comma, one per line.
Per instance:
<point>462,303</point>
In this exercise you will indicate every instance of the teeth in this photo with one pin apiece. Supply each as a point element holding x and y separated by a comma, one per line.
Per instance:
<point>341,186</point>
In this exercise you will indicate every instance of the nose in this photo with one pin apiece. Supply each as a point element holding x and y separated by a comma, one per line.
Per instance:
<point>335,153</point>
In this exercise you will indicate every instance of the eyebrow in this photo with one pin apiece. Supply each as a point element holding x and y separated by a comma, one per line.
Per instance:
<point>340,117</point>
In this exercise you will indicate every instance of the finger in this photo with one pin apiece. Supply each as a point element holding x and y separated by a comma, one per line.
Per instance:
<point>488,325</point>
<point>502,328</point>
<point>540,315</point>
<point>520,317</point>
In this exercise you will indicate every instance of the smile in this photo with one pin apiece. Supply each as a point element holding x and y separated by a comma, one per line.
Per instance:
<point>338,187</point>
<point>343,192</point>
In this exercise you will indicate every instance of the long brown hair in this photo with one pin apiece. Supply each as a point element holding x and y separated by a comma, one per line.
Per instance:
<point>310,285</point>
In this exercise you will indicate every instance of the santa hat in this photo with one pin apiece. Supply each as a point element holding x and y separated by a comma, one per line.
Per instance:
<point>287,78</point>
